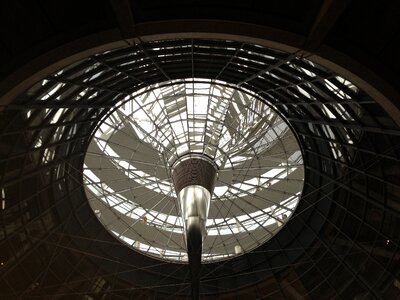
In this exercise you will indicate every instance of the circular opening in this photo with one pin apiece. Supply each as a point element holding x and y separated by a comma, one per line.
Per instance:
<point>127,169</point>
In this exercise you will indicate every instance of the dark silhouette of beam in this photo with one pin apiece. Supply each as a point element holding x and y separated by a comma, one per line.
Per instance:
<point>123,14</point>
<point>329,13</point>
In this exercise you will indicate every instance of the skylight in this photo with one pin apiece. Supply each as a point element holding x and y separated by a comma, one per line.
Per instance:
<point>127,168</point>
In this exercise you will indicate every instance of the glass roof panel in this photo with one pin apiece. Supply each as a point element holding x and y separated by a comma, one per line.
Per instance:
<point>127,168</point>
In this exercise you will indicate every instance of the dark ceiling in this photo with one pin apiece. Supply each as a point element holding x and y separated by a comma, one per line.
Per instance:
<point>347,247</point>
<point>365,30</point>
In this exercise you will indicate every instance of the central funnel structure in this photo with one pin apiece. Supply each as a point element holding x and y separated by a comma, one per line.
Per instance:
<point>156,161</point>
<point>194,178</point>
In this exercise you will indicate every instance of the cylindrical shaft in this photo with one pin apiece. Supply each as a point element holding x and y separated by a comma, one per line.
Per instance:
<point>194,180</point>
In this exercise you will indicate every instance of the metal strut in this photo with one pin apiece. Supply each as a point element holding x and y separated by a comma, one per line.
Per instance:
<point>194,180</point>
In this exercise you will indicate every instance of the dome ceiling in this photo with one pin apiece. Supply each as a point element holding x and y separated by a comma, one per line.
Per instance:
<point>58,156</point>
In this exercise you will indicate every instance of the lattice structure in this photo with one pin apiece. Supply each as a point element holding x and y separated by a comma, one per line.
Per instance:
<point>342,240</point>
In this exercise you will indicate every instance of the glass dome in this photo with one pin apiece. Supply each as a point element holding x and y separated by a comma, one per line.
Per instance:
<point>127,169</point>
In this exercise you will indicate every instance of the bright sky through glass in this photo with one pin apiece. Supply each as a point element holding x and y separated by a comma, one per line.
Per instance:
<point>127,168</point>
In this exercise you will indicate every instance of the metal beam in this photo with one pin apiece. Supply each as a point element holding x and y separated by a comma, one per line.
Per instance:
<point>291,290</point>
<point>123,14</point>
<point>329,13</point>
<point>370,248</point>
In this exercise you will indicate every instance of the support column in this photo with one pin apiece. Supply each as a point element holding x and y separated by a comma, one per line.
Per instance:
<point>194,179</point>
